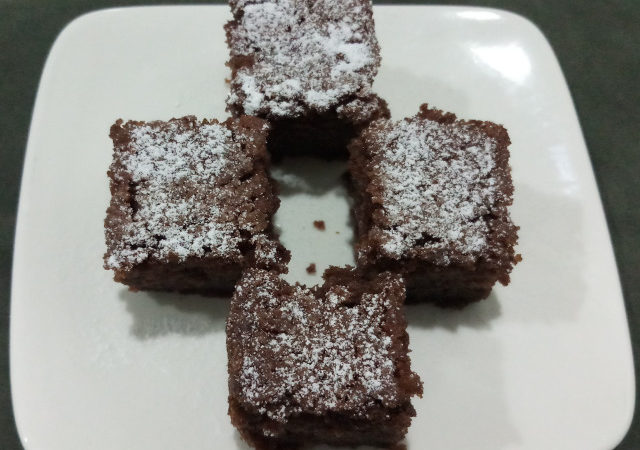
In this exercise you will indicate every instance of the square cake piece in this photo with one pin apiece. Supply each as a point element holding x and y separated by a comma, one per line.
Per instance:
<point>191,204</point>
<point>327,364</point>
<point>431,203</point>
<point>307,66</point>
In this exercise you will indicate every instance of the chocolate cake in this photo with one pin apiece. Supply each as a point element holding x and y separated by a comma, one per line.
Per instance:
<point>431,203</point>
<point>191,204</point>
<point>327,364</point>
<point>307,66</point>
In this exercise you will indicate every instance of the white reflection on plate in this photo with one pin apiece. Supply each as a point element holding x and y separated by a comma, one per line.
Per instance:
<point>478,15</point>
<point>510,60</point>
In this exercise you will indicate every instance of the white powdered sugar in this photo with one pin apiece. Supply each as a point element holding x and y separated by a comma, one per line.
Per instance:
<point>437,184</point>
<point>172,171</point>
<point>305,351</point>
<point>268,253</point>
<point>266,249</point>
<point>306,56</point>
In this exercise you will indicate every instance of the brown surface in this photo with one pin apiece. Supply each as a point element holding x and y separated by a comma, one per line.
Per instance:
<point>275,405</point>
<point>460,281</point>
<point>248,201</point>
<point>311,268</point>
<point>322,136</point>
<point>310,131</point>
<point>319,224</point>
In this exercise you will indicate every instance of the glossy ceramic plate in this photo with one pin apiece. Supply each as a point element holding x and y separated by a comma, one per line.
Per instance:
<point>544,363</point>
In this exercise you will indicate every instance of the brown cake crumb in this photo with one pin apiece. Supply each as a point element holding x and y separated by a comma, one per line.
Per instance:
<point>308,68</point>
<point>319,224</point>
<point>432,196</point>
<point>327,364</point>
<point>312,268</point>
<point>191,204</point>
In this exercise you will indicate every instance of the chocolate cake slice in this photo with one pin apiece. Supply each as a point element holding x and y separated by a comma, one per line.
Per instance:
<point>191,204</point>
<point>307,66</point>
<point>327,364</point>
<point>431,203</point>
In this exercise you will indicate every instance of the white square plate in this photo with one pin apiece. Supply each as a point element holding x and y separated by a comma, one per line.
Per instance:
<point>544,363</point>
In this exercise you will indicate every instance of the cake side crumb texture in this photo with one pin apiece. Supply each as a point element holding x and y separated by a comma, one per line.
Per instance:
<point>177,191</point>
<point>291,57</point>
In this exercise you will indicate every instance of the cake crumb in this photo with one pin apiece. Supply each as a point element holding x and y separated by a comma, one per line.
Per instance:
<point>311,269</point>
<point>319,224</point>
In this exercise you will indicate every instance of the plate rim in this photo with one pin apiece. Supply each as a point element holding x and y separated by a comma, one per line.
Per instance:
<point>79,20</point>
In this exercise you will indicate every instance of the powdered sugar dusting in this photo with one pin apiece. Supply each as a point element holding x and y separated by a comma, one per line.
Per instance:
<point>303,350</point>
<point>437,184</point>
<point>266,249</point>
<point>305,55</point>
<point>269,254</point>
<point>174,171</point>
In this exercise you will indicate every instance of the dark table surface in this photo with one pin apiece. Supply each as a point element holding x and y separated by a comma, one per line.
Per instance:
<point>597,43</point>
